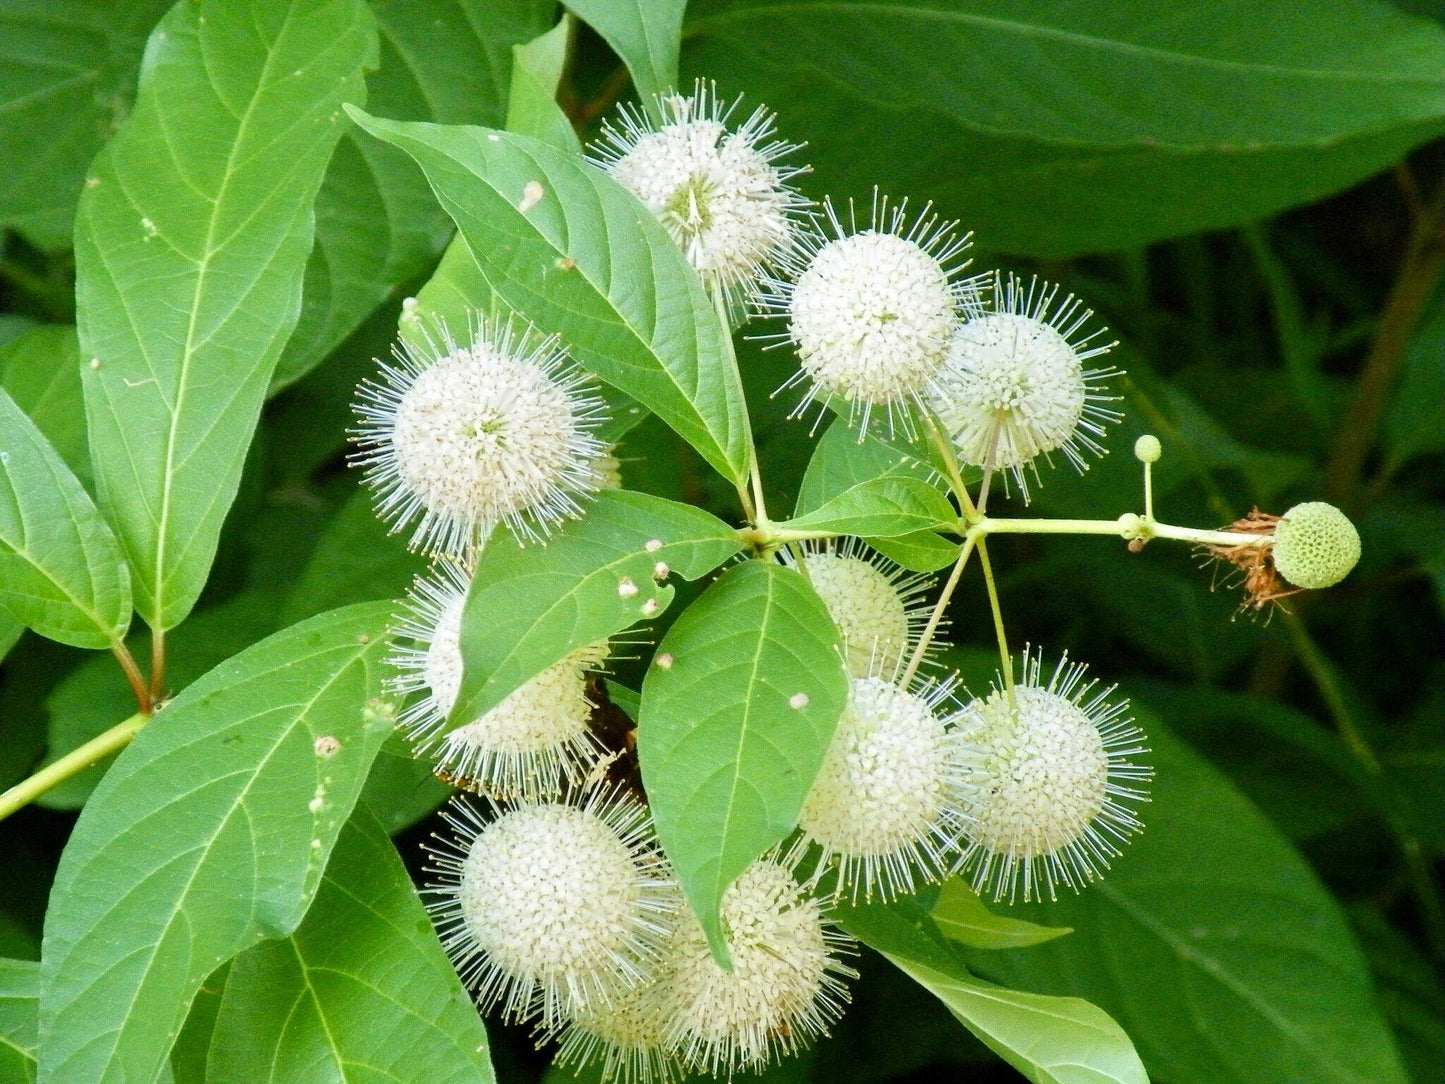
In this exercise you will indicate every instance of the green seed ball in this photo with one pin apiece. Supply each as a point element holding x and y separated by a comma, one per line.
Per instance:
<point>1315,545</point>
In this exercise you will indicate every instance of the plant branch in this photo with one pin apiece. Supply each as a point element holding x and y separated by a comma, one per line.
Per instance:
<point>133,675</point>
<point>1419,275</point>
<point>1004,655</point>
<point>27,790</point>
<point>936,616</point>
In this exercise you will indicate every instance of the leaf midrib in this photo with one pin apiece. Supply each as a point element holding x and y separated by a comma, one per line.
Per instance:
<point>167,485</point>
<point>754,665</point>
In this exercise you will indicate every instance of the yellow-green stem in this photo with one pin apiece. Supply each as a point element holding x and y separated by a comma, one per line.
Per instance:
<point>27,790</point>
<point>936,616</point>
<point>1005,658</point>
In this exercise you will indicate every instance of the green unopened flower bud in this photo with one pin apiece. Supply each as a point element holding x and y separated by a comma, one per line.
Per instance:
<point>1315,545</point>
<point>1147,449</point>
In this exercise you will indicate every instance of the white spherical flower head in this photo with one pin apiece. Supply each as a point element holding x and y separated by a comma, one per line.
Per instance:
<point>1315,545</point>
<point>878,607</point>
<point>624,1037</point>
<point>531,744</point>
<point>1051,778</point>
<point>1016,387</point>
<point>456,439</point>
<point>888,806</point>
<point>871,311</point>
<point>549,908</point>
<point>785,988</point>
<point>719,192</point>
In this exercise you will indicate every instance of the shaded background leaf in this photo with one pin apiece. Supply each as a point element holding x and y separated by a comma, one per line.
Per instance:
<point>1065,127</point>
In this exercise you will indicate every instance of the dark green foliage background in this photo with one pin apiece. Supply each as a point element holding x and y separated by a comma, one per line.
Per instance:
<point>1251,194</point>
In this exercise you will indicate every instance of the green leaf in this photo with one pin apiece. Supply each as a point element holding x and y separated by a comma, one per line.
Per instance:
<point>841,461</point>
<point>10,632</point>
<point>1213,925</point>
<point>644,33</point>
<point>1050,1040</point>
<point>90,698</point>
<point>41,371</point>
<point>962,917</point>
<point>361,991</point>
<point>209,834</point>
<point>880,507</point>
<point>732,734</point>
<point>532,605</point>
<point>402,788</point>
<point>921,551</point>
<point>19,1014</point>
<point>1060,128</point>
<point>67,75</point>
<point>193,1044</point>
<point>532,108</point>
<point>61,572</point>
<point>565,246</point>
<point>191,241</point>
<point>377,223</point>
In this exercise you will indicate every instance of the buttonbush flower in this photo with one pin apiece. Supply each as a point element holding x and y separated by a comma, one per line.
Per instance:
<point>527,746</point>
<point>1052,782</point>
<point>871,311</point>
<point>625,1036</point>
<point>879,607</point>
<point>889,805</point>
<point>549,908</point>
<point>456,439</point>
<point>721,193</point>
<point>786,986</point>
<point>1015,386</point>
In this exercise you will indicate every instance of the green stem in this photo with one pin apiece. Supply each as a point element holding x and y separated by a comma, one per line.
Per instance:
<point>936,616</point>
<point>1419,276</point>
<point>133,675</point>
<point>1126,526</point>
<point>950,463</point>
<point>1417,867</point>
<point>1005,657</point>
<point>27,790</point>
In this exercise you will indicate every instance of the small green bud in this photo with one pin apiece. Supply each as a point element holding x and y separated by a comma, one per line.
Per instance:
<point>1147,449</point>
<point>1315,545</point>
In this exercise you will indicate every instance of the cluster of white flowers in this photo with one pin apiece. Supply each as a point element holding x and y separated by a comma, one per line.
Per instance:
<point>552,893</point>
<point>566,913</point>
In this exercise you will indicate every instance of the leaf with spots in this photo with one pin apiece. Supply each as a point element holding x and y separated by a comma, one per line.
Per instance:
<point>209,834</point>
<point>530,606</point>
<point>738,708</point>
<point>563,244</point>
